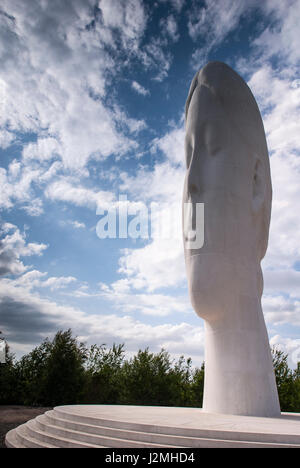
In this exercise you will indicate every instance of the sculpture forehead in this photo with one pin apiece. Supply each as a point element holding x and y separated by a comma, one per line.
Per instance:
<point>205,112</point>
<point>220,75</point>
<point>227,86</point>
<point>230,95</point>
<point>211,136</point>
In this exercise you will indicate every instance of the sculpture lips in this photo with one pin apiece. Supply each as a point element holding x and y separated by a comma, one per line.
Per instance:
<point>193,225</point>
<point>189,214</point>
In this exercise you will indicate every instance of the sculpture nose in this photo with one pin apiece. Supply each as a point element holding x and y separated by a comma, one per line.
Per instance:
<point>192,188</point>
<point>192,184</point>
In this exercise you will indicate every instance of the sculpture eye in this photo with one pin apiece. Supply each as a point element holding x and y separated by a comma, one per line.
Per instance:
<point>213,138</point>
<point>216,135</point>
<point>258,187</point>
<point>214,149</point>
<point>188,152</point>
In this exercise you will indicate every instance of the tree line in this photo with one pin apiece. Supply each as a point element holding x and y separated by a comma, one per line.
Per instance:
<point>64,371</point>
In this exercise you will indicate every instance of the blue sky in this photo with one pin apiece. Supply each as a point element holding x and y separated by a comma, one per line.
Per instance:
<point>92,97</point>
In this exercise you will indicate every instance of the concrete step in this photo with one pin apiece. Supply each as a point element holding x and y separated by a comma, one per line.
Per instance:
<point>164,440</point>
<point>225,434</point>
<point>76,433</point>
<point>115,433</point>
<point>12,440</point>
<point>97,426</point>
<point>156,438</point>
<point>24,438</point>
<point>35,432</point>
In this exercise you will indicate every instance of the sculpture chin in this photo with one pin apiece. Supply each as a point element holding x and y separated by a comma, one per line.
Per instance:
<point>206,284</point>
<point>216,281</point>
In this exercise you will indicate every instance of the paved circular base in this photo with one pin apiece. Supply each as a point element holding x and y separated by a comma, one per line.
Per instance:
<point>152,426</point>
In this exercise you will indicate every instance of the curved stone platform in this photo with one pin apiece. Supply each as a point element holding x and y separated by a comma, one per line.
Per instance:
<point>100,426</point>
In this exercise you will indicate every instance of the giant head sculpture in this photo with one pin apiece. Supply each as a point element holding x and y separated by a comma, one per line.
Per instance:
<point>227,169</point>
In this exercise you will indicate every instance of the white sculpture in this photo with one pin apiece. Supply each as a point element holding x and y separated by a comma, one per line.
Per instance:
<point>228,170</point>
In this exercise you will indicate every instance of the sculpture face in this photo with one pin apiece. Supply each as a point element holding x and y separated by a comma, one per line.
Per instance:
<point>228,170</point>
<point>230,175</point>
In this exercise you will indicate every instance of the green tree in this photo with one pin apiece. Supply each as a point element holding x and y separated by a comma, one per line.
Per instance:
<point>53,373</point>
<point>181,377</point>
<point>31,370</point>
<point>286,381</point>
<point>63,371</point>
<point>145,379</point>
<point>8,380</point>
<point>198,386</point>
<point>64,377</point>
<point>103,381</point>
<point>296,392</point>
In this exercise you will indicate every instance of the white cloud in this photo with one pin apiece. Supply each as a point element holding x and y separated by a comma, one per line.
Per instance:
<point>155,55</point>
<point>282,281</point>
<point>16,242</point>
<point>284,249</point>
<point>159,305</point>
<point>133,125</point>
<point>139,88</point>
<point>172,145</point>
<point>176,4</point>
<point>281,309</point>
<point>29,280</point>
<point>169,27</point>
<point>289,346</point>
<point>127,17</point>
<point>78,225</point>
<point>212,22</point>
<point>44,149</point>
<point>17,184</point>
<point>6,138</point>
<point>281,41</point>
<point>278,95</point>
<point>66,191</point>
<point>73,223</point>
<point>55,283</point>
<point>278,99</point>
<point>55,71</point>
<point>164,182</point>
<point>160,263</point>
<point>28,318</point>
<point>34,207</point>
<point>56,76</point>
<point>13,246</point>
<point>36,279</point>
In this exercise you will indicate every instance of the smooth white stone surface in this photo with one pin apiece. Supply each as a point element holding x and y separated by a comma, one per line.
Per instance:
<point>228,170</point>
<point>152,426</point>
